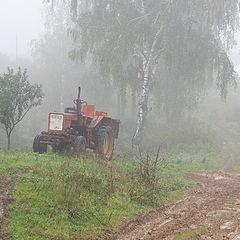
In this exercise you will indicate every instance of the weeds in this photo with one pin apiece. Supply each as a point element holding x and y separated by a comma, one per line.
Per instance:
<point>149,167</point>
<point>147,173</point>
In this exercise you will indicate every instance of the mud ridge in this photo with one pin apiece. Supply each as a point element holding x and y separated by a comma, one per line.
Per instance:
<point>211,211</point>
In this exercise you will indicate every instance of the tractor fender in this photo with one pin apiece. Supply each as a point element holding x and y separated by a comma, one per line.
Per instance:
<point>95,121</point>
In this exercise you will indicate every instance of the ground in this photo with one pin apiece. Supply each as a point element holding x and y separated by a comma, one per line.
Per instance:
<point>6,185</point>
<point>210,211</point>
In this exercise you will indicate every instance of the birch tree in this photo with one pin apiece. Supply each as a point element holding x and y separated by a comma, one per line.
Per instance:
<point>125,40</point>
<point>145,37</point>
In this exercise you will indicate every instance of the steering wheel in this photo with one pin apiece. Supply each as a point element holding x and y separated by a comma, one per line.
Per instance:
<point>82,101</point>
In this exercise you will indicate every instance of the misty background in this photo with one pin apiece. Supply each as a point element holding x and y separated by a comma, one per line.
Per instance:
<point>36,36</point>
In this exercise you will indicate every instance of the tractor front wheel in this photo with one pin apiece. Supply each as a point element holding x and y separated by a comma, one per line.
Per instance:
<point>39,147</point>
<point>36,143</point>
<point>80,145</point>
<point>105,142</point>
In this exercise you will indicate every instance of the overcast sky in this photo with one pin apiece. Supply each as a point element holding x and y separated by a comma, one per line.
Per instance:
<point>21,18</point>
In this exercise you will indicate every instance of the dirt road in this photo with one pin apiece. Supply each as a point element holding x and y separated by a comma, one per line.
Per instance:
<point>212,211</point>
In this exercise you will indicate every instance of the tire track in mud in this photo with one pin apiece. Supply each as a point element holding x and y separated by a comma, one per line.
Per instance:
<point>6,186</point>
<point>211,211</point>
<point>205,213</point>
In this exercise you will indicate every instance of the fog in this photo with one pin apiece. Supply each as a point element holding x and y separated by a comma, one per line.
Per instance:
<point>20,22</point>
<point>110,109</point>
<point>186,72</point>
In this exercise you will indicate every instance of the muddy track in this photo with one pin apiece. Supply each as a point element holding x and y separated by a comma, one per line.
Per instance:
<point>211,211</point>
<point>6,186</point>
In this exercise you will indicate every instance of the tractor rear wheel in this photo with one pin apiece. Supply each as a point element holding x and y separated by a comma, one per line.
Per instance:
<point>39,147</point>
<point>105,142</point>
<point>80,145</point>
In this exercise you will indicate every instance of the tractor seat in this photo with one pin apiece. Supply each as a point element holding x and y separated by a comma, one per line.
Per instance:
<point>70,110</point>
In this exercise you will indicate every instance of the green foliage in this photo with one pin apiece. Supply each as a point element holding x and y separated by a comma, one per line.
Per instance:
<point>17,97</point>
<point>191,49</point>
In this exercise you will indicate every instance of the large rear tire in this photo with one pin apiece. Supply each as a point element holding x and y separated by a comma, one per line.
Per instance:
<point>80,145</point>
<point>105,142</point>
<point>39,147</point>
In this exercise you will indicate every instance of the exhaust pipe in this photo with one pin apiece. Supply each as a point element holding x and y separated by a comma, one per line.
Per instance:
<point>79,105</point>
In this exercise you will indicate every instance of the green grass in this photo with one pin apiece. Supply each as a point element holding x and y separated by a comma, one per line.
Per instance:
<point>67,198</point>
<point>14,161</point>
<point>64,198</point>
<point>188,158</point>
<point>191,233</point>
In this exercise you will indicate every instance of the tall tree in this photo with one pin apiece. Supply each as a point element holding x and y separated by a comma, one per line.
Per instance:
<point>17,97</point>
<point>188,40</point>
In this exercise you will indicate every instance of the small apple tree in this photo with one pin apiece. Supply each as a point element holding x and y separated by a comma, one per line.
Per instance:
<point>17,97</point>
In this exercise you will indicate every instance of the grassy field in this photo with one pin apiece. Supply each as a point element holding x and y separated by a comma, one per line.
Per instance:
<point>196,157</point>
<point>67,198</point>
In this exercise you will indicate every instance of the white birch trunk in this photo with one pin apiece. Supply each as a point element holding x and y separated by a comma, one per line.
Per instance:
<point>143,105</point>
<point>149,63</point>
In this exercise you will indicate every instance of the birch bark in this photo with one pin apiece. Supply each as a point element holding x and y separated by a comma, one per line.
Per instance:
<point>149,63</point>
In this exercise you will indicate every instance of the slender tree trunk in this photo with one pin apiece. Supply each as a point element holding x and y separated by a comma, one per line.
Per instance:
<point>149,63</point>
<point>149,69</point>
<point>133,103</point>
<point>123,102</point>
<point>9,141</point>
<point>143,106</point>
<point>119,104</point>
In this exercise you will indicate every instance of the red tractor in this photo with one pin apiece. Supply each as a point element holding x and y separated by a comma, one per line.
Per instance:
<point>78,128</point>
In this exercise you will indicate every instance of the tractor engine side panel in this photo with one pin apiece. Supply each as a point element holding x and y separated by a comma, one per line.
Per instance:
<point>68,118</point>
